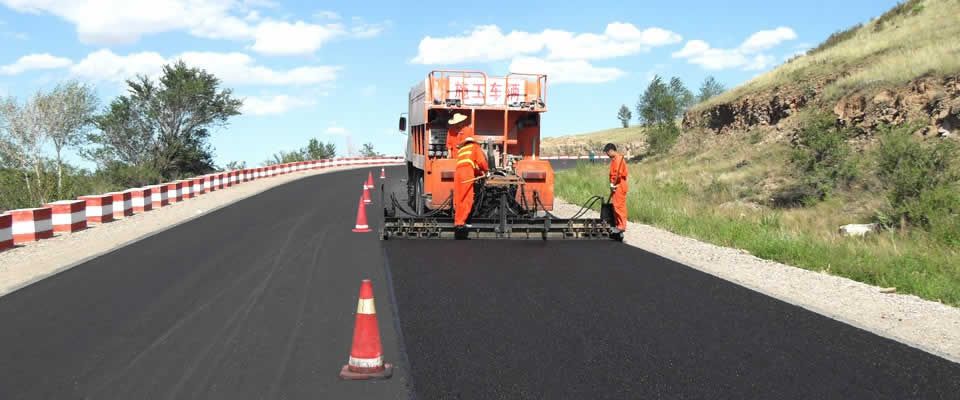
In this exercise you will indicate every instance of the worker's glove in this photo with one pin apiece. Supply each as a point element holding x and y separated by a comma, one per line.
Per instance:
<point>613,187</point>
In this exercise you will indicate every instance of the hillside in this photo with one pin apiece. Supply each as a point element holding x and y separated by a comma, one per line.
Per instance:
<point>862,129</point>
<point>632,139</point>
<point>902,66</point>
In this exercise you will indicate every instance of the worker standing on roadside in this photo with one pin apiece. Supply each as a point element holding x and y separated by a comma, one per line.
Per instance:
<point>457,130</point>
<point>618,187</point>
<point>471,164</point>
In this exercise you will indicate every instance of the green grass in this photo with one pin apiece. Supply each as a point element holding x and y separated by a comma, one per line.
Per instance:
<point>686,200</point>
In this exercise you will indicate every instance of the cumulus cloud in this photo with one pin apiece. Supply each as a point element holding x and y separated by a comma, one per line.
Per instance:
<point>34,62</point>
<point>231,68</point>
<point>488,43</point>
<point>272,105</point>
<point>565,71</point>
<point>109,22</point>
<point>748,55</point>
<point>284,38</point>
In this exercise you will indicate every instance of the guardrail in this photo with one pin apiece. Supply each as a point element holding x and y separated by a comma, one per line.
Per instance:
<point>64,217</point>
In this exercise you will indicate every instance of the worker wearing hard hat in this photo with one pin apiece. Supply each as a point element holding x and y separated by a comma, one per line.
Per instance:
<point>618,187</point>
<point>457,130</point>
<point>471,164</point>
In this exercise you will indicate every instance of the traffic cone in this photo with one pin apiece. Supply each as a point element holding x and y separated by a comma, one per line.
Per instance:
<point>370,179</point>
<point>366,353</point>
<point>366,195</point>
<point>383,173</point>
<point>362,226</point>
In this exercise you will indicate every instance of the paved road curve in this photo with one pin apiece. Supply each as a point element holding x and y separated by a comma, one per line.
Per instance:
<point>256,301</point>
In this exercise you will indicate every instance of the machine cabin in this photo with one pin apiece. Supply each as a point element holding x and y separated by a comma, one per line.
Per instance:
<point>504,114</point>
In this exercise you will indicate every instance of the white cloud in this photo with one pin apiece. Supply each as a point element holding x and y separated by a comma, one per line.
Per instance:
<point>272,105</point>
<point>565,71</point>
<point>765,40</point>
<point>231,68</point>
<point>34,62</point>
<point>337,131</point>
<point>284,38</point>
<point>488,43</point>
<point>104,65</point>
<point>748,56</point>
<point>109,22</point>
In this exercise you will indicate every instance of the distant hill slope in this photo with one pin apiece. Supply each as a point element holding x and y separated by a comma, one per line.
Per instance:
<point>903,66</point>
<point>631,138</point>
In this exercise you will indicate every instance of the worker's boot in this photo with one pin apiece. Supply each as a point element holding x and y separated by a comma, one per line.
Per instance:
<point>460,232</point>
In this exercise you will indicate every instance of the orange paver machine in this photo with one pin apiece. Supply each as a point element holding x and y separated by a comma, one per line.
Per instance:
<point>503,116</point>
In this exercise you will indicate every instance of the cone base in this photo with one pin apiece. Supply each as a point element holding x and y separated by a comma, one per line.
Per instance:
<point>361,230</point>
<point>347,374</point>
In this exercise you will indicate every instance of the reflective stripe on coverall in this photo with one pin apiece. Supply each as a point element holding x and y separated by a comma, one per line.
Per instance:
<point>471,163</point>
<point>618,177</point>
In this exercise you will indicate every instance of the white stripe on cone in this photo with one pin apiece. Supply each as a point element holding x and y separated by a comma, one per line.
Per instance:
<point>366,306</point>
<point>365,362</point>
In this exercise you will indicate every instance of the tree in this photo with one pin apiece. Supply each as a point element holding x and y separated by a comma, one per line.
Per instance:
<point>317,150</point>
<point>234,165</point>
<point>683,97</point>
<point>709,88</point>
<point>624,116</point>
<point>368,151</point>
<point>64,116</point>
<point>22,141</point>
<point>663,103</point>
<point>174,115</point>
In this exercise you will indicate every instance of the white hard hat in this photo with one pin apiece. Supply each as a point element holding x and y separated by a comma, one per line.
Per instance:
<point>457,118</point>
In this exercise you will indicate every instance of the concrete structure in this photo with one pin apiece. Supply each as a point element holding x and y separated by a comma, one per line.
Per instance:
<point>122,204</point>
<point>31,224</point>
<point>68,215</point>
<point>140,200</point>
<point>99,208</point>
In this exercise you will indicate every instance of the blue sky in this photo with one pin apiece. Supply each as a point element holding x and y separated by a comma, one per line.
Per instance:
<point>340,70</point>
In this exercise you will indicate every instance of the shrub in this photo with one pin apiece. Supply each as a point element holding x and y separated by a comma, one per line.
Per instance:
<point>921,180</point>
<point>822,158</point>
<point>662,137</point>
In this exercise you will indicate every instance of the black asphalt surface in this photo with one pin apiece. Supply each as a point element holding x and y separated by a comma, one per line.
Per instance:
<point>256,301</point>
<point>253,301</point>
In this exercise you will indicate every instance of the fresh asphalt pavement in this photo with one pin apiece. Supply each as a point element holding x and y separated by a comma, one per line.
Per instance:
<point>256,301</point>
<point>252,301</point>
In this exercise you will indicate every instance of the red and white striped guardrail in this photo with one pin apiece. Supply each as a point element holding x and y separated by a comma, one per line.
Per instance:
<point>6,231</point>
<point>99,208</point>
<point>122,204</point>
<point>32,224</point>
<point>68,215</point>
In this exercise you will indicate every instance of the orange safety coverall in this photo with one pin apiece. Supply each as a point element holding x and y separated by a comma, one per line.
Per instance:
<point>455,135</point>
<point>618,177</point>
<point>471,163</point>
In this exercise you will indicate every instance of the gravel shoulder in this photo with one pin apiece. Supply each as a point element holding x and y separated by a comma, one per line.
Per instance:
<point>31,262</point>
<point>926,325</point>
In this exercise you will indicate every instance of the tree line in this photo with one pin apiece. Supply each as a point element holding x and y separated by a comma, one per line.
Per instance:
<point>662,104</point>
<point>158,131</point>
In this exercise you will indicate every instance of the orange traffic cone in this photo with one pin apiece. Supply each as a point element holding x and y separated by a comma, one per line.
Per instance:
<point>366,195</point>
<point>369,180</point>
<point>362,226</point>
<point>383,173</point>
<point>366,353</point>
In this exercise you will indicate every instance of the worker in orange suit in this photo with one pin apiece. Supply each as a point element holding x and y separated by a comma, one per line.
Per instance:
<point>471,164</point>
<point>457,130</point>
<point>618,188</point>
